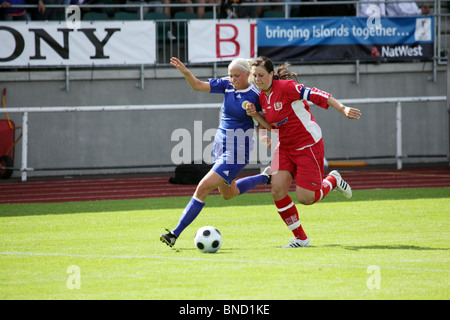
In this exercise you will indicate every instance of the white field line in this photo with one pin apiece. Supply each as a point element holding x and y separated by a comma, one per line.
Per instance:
<point>157,257</point>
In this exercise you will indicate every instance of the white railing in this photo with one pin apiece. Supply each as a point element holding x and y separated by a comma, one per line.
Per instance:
<point>25,112</point>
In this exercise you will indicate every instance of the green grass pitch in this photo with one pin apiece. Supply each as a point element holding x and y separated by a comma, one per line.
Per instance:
<point>381,244</point>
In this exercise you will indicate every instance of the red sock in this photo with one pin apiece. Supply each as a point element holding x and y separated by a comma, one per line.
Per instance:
<point>328,184</point>
<point>332,180</point>
<point>288,212</point>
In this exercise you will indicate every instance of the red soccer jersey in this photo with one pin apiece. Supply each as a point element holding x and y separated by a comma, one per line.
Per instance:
<point>286,109</point>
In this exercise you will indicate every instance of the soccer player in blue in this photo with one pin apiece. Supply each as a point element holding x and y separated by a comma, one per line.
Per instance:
<point>232,142</point>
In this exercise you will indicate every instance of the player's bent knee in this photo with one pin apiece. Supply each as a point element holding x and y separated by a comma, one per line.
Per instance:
<point>227,196</point>
<point>305,199</point>
<point>305,196</point>
<point>305,202</point>
<point>228,192</point>
<point>278,192</point>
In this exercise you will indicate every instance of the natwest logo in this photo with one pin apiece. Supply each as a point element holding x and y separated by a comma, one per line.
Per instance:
<point>401,51</point>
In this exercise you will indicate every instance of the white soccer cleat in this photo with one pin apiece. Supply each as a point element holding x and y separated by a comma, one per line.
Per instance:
<point>297,243</point>
<point>266,172</point>
<point>341,185</point>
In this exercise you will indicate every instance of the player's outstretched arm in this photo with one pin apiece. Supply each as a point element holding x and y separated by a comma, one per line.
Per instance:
<point>195,83</point>
<point>350,113</point>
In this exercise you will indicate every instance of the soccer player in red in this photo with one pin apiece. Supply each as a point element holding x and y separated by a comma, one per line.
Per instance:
<point>300,151</point>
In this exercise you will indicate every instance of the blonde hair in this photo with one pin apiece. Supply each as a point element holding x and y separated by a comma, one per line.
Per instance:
<point>242,63</point>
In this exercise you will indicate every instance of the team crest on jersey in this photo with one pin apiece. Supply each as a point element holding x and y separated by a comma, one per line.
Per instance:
<point>244,104</point>
<point>278,106</point>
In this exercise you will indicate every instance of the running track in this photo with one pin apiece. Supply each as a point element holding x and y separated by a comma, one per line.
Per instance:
<point>90,189</point>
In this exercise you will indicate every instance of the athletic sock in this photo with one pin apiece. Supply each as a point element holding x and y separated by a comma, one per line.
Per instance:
<point>248,183</point>
<point>328,184</point>
<point>191,212</point>
<point>331,180</point>
<point>288,212</point>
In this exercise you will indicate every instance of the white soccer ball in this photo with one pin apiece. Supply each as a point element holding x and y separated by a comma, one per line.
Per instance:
<point>208,239</point>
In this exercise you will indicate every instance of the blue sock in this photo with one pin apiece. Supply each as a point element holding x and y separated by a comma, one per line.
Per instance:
<point>191,212</point>
<point>249,183</point>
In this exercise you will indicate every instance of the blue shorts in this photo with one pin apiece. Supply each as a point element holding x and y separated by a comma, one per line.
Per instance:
<point>230,155</point>
<point>228,172</point>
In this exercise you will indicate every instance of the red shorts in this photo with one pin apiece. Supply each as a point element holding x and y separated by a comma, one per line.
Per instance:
<point>306,165</point>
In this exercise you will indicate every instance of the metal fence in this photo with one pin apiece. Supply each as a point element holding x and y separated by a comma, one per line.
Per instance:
<point>172,31</point>
<point>25,111</point>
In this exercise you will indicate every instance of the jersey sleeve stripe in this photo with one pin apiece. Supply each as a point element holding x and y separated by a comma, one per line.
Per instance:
<point>320,93</point>
<point>304,93</point>
<point>307,93</point>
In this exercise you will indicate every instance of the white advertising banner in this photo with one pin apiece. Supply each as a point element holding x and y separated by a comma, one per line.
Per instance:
<point>93,43</point>
<point>221,40</point>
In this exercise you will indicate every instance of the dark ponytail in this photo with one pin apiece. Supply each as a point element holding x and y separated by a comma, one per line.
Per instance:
<point>283,73</point>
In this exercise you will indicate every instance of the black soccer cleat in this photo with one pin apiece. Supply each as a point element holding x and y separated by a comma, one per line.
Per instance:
<point>168,238</point>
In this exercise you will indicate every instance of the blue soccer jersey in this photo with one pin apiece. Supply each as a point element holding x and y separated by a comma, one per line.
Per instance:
<point>234,115</point>
<point>234,139</point>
